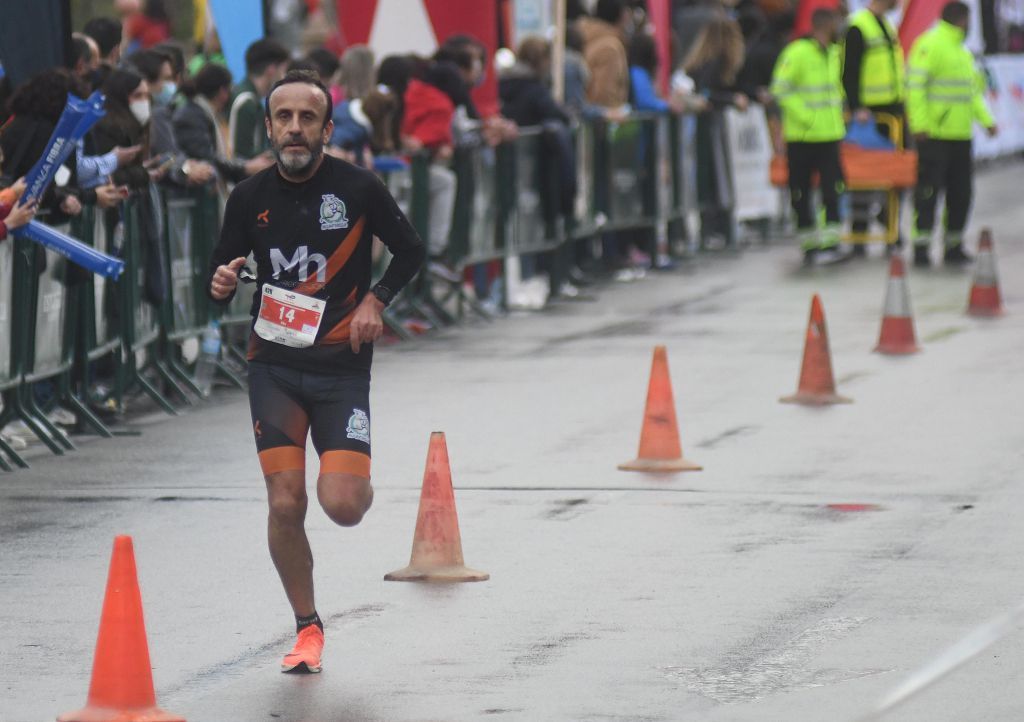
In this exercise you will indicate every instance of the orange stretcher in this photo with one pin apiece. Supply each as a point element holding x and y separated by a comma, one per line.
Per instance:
<point>885,171</point>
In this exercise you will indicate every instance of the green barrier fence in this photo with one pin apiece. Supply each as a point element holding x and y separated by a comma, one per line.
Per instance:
<point>65,329</point>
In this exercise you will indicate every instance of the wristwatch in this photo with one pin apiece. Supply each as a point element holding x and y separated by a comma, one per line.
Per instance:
<point>383,294</point>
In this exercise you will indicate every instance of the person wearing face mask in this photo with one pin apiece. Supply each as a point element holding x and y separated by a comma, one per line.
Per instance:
<point>127,123</point>
<point>158,70</point>
<point>806,84</point>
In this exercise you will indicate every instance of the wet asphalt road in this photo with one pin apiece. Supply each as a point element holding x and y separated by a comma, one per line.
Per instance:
<point>734,593</point>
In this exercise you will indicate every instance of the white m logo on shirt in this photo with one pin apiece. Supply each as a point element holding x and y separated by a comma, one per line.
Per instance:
<point>301,261</point>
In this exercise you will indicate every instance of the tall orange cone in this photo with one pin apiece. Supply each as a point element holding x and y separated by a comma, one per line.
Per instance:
<point>122,680</point>
<point>436,543</point>
<point>660,449</point>
<point>985,300</point>
<point>816,387</point>
<point>897,334</point>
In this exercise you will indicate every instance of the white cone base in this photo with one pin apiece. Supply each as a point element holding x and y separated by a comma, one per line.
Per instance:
<point>805,399</point>
<point>437,574</point>
<point>662,465</point>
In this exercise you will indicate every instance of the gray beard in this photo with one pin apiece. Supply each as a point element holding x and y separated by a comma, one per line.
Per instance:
<point>293,164</point>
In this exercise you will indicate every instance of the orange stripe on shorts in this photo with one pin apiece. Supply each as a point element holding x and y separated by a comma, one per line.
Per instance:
<point>282,458</point>
<point>345,462</point>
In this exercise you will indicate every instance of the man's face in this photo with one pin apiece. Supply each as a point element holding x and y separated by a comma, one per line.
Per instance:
<point>166,76</point>
<point>296,127</point>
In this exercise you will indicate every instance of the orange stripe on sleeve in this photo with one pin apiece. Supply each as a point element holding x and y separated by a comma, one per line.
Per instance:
<point>345,462</point>
<point>282,458</point>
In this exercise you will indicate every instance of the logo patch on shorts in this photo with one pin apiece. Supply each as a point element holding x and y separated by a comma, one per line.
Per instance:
<point>359,426</point>
<point>332,213</point>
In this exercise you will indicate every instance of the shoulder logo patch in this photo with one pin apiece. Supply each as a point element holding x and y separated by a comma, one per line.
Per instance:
<point>358,426</point>
<point>332,213</point>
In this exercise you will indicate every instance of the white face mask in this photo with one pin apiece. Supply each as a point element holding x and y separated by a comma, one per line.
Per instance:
<point>140,109</point>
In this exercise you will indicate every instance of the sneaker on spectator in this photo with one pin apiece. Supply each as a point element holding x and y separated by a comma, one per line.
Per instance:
<point>16,442</point>
<point>62,417</point>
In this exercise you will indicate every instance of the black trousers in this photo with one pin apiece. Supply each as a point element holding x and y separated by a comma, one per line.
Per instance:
<point>943,166</point>
<point>804,159</point>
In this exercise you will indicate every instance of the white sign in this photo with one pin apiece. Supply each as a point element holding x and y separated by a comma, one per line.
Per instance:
<point>750,155</point>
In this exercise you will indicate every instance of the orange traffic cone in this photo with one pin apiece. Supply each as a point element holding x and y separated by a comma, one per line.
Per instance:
<point>436,543</point>
<point>816,387</point>
<point>659,436</point>
<point>985,300</point>
<point>122,681</point>
<point>897,335</point>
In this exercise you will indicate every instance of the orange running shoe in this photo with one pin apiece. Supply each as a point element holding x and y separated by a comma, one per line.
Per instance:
<point>305,655</point>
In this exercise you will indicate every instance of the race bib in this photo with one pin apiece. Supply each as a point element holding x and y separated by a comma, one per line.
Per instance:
<point>288,318</point>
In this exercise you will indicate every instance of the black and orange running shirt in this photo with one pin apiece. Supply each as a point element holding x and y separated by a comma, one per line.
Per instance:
<point>315,238</point>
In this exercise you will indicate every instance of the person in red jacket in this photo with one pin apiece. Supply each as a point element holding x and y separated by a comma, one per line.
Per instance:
<point>427,117</point>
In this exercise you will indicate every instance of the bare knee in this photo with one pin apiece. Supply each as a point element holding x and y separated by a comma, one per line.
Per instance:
<point>345,498</point>
<point>286,494</point>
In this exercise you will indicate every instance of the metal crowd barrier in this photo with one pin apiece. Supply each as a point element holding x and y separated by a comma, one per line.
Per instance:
<point>61,327</point>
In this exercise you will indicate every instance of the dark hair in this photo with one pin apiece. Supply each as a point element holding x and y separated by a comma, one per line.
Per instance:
<point>459,55</point>
<point>395,71</point>
<point>302,65</point>
<point>80,50</point>
<point>446,78</point>
<point>45,95</point>
<point>326,62</point>
<point>822,17</point>
<point>574,9</point>
<point>149,62</point>
<point>106,32</point>
<point>609,10</point>
<point>121,83</point>
<point>156,10</point>
<point>174,53</point>
<point>262,54</point>
<point>207,82</point>
<point>309,78</point>
<point>643,52</point>
<point>573,38</point>
<point>956,12</point>
<point>464,41</point>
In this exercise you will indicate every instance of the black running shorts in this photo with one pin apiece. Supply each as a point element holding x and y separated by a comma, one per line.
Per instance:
<point>287,405</point>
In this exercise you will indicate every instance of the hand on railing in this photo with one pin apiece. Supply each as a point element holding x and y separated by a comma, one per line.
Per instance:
<point>109,195</point>
<point>260,162</point>
<point>71,205</point>
<point>198,172</point>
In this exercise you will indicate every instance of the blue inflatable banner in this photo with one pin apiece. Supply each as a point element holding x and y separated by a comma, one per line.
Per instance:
<point>76,120</point>
<point>75,251</point>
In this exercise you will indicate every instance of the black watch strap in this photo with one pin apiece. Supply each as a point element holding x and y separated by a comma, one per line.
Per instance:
<point>383,294</point>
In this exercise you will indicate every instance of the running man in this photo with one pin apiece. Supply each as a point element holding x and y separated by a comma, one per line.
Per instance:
<point>309,222</point>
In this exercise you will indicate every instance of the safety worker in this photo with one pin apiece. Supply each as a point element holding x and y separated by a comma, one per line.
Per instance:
<point>945,97</point>
<point>309,221</point>
<point>873,79</point>
<point>806,83</point>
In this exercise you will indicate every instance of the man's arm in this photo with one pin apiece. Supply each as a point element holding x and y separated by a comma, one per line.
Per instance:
<point>229,255</point>
<point>390,225</point>
<point>918,73</point>
<point>785,80</point>
<point>854,49</point>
